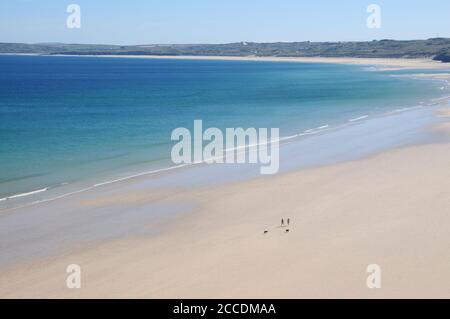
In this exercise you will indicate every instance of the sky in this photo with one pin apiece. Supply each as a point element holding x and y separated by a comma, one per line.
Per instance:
<point>220,21</point>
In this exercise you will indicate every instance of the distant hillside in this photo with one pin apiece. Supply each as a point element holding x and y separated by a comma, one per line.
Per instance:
<point>437,48</point>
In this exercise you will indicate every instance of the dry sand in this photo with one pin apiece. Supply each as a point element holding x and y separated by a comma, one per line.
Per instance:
<point>392,209</point>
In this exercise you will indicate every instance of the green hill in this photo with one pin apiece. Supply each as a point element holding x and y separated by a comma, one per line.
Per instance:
<point>437,48</point>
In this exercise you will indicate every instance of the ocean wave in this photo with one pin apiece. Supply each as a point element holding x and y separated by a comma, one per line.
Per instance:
<point>24,194</point>
<point>359,118</point>
<point>140,174</point>
<point>317,128</point>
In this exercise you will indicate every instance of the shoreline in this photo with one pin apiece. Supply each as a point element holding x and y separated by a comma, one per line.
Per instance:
<point>161,171</point>
<point>148,194</point>
<point>382,64</point>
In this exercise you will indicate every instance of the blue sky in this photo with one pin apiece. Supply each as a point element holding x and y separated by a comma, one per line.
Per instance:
<point>220,21</point>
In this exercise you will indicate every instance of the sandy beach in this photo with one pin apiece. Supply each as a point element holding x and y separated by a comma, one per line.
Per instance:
<point>224,157</point>
<point>381,64</point>
<point>390,209</point>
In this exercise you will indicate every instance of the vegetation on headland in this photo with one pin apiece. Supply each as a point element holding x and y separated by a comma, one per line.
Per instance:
<point>436,48</point>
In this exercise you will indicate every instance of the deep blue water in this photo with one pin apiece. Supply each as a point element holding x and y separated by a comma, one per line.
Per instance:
<point>67,119</point>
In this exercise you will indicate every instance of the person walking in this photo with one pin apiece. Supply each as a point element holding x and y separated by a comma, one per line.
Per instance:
<point>288,221</point>
<point>282,222</point>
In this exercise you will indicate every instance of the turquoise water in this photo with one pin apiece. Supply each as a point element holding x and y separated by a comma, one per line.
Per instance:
<point>69,119</point>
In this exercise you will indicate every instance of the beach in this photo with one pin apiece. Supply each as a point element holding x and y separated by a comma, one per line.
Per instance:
<point>224,157</point>
<point>381,64</point>
<point>369,189</point>
<point>389,209</point>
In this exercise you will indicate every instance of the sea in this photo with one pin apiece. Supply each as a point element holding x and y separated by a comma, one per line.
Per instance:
<point>68,124</point>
